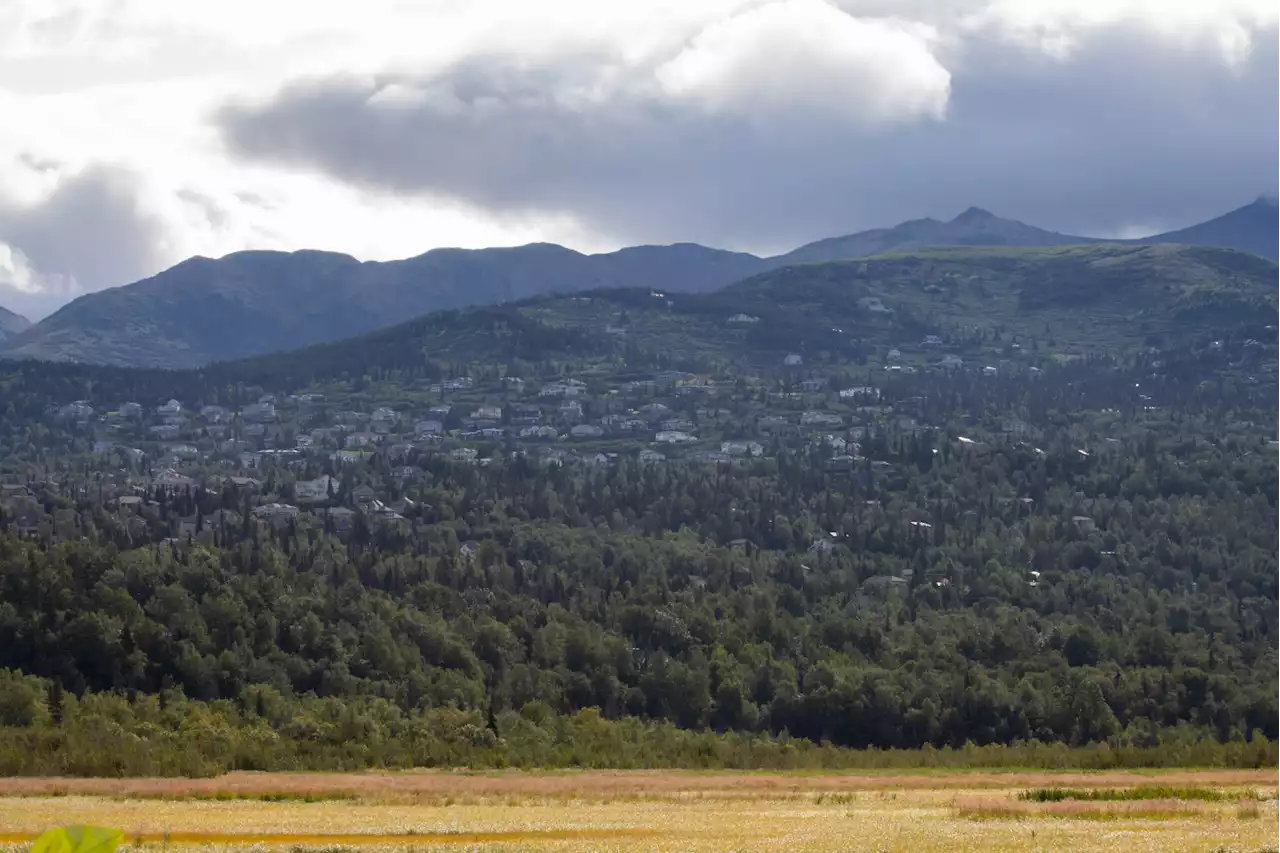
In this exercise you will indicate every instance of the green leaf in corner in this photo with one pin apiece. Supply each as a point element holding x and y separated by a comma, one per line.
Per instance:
<point>78,839</point>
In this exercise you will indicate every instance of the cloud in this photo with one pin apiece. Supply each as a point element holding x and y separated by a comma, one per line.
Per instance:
<point>87,233</point>
<point>616,143</point>
<point>805,58</point>
<point>789,120</point>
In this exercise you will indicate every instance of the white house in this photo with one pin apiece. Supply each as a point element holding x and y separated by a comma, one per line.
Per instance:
<point>741,448</point>
<point>821,419</point>
<point>315,490</point>
<point>859,392</point>
<point>276,513</point>
<point>259,412</point>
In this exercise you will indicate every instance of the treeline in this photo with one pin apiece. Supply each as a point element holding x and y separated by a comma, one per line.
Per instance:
<point>167,734</point>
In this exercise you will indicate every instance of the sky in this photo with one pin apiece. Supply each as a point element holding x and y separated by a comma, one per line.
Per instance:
<point>136,133</point>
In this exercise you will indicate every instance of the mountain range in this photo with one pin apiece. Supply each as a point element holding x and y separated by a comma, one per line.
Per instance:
<point>1103,298</point>
<point>254,302</point>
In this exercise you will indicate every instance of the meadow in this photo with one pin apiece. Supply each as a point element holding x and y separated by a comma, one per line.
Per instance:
<point>626,811</point>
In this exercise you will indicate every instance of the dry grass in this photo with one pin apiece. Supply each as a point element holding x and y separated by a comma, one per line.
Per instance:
<point>634,812</point>
<point>601,784</point>
<point>992,807</point>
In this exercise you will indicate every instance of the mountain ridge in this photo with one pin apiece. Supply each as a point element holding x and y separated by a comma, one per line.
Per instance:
<point>12,324</point>
<point>1252,228</point>
<point>257,301</point>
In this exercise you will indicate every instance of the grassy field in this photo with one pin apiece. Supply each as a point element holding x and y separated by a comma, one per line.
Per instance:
<point>665,811</point>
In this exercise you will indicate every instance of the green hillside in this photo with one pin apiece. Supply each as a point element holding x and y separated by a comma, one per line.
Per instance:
<point>1071,301</point>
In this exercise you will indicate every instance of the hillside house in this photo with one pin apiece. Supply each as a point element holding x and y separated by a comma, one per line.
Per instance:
<point>775,425</point>
<point>259,413</point>
<point>319,489</point>
<point>339,518</point>
<point>821,419</point>
<point>741,448</point>
<point>839,464</point>
<point>171,480</point>
<point>525,414</point>
<point>422,429</point>
<point>276,514</point>
<point>860,392</point>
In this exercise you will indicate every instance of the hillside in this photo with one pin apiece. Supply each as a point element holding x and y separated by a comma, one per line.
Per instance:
<point>247,303</point>
<point>11,324</point>
<point>1252,228</point>
<point>1103,298</point>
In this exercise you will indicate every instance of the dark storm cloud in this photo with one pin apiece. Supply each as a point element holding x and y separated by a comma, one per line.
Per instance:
<point>1129,129</point>
<point>86,235</point>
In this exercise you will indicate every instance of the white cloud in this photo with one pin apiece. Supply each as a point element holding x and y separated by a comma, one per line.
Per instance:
<point>16,272</point>
<point>807,56</point>
<point>1060,26</point>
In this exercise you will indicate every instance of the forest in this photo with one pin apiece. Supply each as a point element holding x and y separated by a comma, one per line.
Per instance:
<point>1068,567</point>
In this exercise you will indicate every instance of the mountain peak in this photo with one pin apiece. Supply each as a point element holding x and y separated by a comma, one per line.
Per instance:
<point>974,214</point>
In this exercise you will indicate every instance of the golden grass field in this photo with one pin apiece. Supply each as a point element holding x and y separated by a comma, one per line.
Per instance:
<point>654,811</point>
